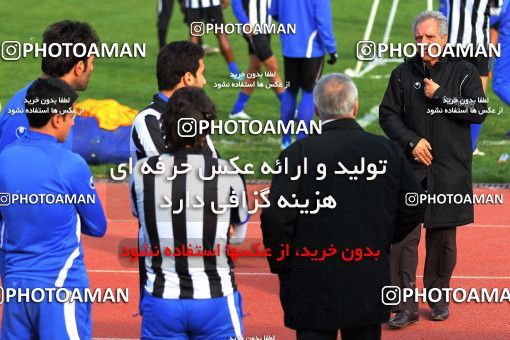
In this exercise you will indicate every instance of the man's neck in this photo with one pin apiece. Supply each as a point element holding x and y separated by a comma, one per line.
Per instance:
<point>431,63</point>
<point>44,130</point>
<point>169,93</point>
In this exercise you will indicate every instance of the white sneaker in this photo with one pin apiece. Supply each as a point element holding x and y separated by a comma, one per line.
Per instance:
<point>478,153</point>
<point>208,50</point>
<point>240,115</point>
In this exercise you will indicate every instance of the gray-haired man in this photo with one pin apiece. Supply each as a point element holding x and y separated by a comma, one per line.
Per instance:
<point>424,110</point>
<point>320,297</point>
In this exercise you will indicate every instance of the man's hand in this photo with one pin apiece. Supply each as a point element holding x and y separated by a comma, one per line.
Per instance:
<point>430,87</point>
<point>333,57</point>
<point>421,152</point>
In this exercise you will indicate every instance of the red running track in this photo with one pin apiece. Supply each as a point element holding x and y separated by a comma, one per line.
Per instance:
<point>482,263</point>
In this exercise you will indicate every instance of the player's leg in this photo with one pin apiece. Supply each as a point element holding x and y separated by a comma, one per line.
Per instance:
<point>289,98</point>
<point>64,320</point>
<point>165,9</point>
<point>482,65</point>
<point>217,318</point>
<point>262,44</point>
<point>214,15</point>
<point>163,319</point>
<point>309,73</point>
<point>254,67</point>
<point>192,15</point>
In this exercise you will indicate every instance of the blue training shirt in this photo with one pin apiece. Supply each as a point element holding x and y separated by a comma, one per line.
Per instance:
<point>314,27</point>
<point>42,240</point>
<point>13,126</point>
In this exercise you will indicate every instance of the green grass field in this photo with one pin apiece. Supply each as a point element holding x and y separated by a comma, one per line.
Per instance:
<point>132,81</point>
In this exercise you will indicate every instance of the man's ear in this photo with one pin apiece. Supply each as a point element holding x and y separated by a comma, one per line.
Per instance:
<point>187,79</point>
<point>79,68</point>
<point>355,111</point>
<point>315,110</point>
<point>55,121</point>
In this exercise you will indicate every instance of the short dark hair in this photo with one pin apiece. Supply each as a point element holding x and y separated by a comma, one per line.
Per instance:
<point>66,31</point>
<point>174,60</point>
<point>187,102</point>
<point>46,98</point>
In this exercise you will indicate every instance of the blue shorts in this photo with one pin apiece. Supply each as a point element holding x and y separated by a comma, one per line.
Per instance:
<point>44,320</point>
<point>211,319</point>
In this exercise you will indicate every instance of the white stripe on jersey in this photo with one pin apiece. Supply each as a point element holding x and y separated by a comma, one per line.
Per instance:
<point>252,12</point>
<point>201,3</point>
<point>234,316</point>
<point>263,12</point>
<point>466,11</point>
<point>194,228</point>
<point>62,275</point>
<point>455,18</point>
<point>309,49</point>
<point>70,320</point>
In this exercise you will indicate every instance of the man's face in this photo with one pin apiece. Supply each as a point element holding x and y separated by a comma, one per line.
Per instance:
<point>64,124</point>
<point>83,78</point>
<point>199,80</point>
<point>427,32</point>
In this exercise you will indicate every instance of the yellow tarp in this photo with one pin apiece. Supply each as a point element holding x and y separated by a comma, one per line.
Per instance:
<point>109,113</point>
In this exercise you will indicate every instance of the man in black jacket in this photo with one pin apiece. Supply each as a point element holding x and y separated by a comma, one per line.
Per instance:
<point>422,111</point>
<point>364,179</point>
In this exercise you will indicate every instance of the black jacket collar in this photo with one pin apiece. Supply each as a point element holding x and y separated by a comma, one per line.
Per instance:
<point>158,103</point>
<point>344,123</point>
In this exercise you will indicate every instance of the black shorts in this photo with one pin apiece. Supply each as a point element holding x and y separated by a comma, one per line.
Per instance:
<point>259,45</point>
<point>209,15</point>
<point>481,63</point>
<point>303,72</point>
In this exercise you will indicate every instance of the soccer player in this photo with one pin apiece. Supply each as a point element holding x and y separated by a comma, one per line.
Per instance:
<point>189,297</point>
<point>259,50</point>
<point>468,23</point>
<point>73,70</point>
<point>303,54</point>
<point>179,64</point>
<point>210,12</point>
<point>42,240</point>
<point>165,9</point>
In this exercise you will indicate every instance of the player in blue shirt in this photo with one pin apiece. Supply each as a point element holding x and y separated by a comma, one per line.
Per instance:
<point>75,71</point>
<point>259,51</point>
<point>303,53</point>
<point>501,71</point>
<point>41,238</point>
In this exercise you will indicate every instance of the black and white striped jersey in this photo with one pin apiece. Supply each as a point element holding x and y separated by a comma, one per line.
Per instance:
<point>468,21</point>
<point>188,224</point>
<point>146,137</point>
<point>257,11</point>
<point>201,3</point>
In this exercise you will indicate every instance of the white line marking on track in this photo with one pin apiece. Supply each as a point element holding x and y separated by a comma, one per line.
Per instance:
<point>469,226</point>
<point>469,277</point>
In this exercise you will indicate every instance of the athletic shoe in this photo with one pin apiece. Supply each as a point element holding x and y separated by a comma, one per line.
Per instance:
<point>478,153</point>
<point>285,144</point>
<point>240,115</point>
<point>403,318</point>
<point>237,77</point>
<point>439,313</point>
<point>208,50</point>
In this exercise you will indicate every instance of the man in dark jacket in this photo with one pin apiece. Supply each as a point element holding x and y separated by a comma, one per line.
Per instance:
<point>422,111</point>
<point>332,256</point>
